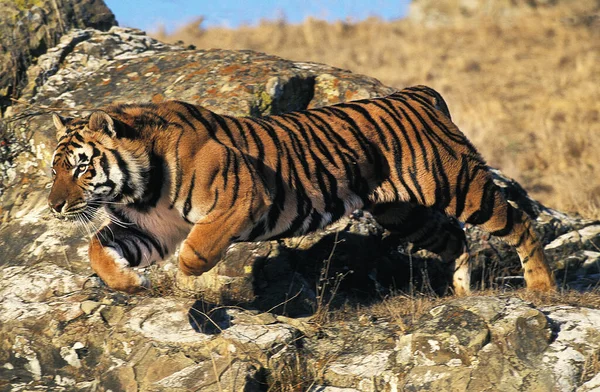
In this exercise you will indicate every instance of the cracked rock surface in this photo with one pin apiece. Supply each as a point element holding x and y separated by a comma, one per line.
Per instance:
<point>60,329</point>
<point>29,28</point>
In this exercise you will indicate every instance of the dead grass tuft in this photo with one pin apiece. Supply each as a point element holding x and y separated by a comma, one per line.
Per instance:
<point>525,90</point>
<point>405,310</point>
<point>591,367</point>
<point>589,299</point>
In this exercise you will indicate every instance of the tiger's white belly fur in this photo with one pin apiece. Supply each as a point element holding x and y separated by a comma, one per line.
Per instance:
<point>164,223</point>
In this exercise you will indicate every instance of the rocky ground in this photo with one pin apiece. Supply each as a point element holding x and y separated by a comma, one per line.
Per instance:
<point>255,322</point>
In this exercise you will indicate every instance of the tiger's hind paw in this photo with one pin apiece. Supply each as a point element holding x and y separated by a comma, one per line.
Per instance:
<point>540,282</point>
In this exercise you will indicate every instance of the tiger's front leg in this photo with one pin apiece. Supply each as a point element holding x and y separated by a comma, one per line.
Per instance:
<point>227,222</point>
<point>114,251</point>
<point>237,202</point>
<point>209,239</point>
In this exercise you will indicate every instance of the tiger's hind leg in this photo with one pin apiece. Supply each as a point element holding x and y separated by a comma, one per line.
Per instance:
<point>429,229</point>
<point>460,182</point>
<point>485,206</point>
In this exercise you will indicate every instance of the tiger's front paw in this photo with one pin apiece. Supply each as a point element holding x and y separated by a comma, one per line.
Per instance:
<point>128,281</point>
<point>191,262</point>
<point>115,272</point>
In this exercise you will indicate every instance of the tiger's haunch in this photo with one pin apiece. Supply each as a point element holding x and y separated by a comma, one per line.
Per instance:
<point>171,172</point>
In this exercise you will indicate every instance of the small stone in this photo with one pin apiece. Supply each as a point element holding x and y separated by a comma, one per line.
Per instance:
<point>89,306</point>
<point>302,324</point>
<point>247,317</point>
<point>112,314</point>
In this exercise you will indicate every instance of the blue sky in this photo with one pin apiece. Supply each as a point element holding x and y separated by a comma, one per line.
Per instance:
<point>148,14</point>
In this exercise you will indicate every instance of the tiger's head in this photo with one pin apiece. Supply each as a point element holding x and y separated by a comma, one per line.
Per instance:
<point>93,165</point>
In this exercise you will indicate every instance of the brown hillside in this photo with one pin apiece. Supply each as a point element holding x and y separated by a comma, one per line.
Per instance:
<point>523,87</point>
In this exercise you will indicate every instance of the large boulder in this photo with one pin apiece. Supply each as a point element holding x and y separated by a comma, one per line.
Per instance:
<point>30,27</point>
<point>61,329</point>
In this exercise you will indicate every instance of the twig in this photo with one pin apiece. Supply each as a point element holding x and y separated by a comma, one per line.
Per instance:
<point>217,375</point>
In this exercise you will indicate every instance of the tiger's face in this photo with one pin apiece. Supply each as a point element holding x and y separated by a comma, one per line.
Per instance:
<point>85,172</point>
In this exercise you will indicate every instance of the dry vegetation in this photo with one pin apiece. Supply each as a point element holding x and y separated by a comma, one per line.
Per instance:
<point>525,90</point>
<point>406,309</point>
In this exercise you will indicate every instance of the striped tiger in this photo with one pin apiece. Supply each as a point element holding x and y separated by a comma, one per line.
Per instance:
<point>172,172</point>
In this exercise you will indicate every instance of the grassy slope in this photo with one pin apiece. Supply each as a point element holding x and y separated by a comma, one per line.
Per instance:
<point>526,91</point>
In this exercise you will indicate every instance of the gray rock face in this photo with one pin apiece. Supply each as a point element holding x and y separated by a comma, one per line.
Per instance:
<point>29,28</point>
<point>60,329</point>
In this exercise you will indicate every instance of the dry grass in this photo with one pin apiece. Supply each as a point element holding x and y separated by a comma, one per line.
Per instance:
<point>525,90</point>
<point>405,309</point>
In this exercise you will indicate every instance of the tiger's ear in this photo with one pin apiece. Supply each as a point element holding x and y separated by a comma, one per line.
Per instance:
<point>61,125</point>
<point>101,121</point>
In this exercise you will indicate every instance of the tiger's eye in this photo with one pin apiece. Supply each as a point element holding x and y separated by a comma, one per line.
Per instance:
<point>81,169</point>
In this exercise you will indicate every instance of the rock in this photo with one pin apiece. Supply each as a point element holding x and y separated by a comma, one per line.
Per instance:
<point>591,385</point>
<point>512,351</point>
<point>467,334</point>
<point>89,306</point>
<point>438,378</point>
<point>209,376</point>
<point>371,372</point>
<point>112,315</point>
<point>29,28</point>
<point>575,344</point>
<point>62,330</point>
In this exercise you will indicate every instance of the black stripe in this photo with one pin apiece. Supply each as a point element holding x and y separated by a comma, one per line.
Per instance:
<point>315,221</point>
<point>486,208</point>
<point>365,144</point>
<point>259,146</point>
<point>183,118</point>
<point>332,136</point>
<point>127,186</point>
<point>187,206</point>
<point>508,228</point>
<point>197,115</point>
<point>178,171</point>
<point>240,130</point>
<point>236,183</point>
<point>367,116</point>
<point>397,146</point>
<point>225,128</point>
<point>463,182</point>
<point>312,138</point>
<point>214,203</point>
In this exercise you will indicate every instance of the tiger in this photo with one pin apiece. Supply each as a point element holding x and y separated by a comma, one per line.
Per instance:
<point>175,174</point>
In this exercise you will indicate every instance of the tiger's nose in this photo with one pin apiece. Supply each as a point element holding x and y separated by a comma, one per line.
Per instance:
<point>57,206</point>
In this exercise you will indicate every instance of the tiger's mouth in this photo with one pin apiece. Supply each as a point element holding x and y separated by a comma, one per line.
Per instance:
<point>68,216</point>
<point>80,214</point>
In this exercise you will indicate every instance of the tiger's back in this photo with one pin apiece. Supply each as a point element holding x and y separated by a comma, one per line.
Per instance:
<point>257,178</point>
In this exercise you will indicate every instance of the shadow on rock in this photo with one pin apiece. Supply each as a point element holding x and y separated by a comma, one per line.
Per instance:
<point>347,264</point>
<point>208,318</point>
